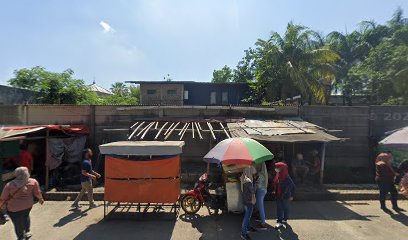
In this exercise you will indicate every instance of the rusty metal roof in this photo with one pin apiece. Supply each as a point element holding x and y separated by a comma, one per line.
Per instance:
<point>280,131</point>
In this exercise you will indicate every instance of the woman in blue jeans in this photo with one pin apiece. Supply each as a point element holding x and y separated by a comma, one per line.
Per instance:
<point>261,190</point>
<point>248,196</point>
<point>284,191</point>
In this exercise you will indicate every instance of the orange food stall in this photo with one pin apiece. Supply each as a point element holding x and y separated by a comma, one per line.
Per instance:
<point>142,174</point>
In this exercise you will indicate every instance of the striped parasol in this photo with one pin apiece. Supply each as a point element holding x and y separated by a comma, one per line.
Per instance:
<point>240,151</point>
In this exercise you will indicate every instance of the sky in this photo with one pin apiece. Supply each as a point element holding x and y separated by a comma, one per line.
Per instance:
<point>121,40</point>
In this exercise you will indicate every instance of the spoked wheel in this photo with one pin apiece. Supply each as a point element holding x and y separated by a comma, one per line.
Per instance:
<point>190,204</point>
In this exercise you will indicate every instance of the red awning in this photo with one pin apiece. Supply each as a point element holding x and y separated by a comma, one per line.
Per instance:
<point>7,132</point>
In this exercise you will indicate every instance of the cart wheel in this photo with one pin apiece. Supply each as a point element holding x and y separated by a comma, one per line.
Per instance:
<point>190,204</point>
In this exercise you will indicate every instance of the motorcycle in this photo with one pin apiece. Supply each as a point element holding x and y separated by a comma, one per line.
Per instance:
<point>193,200</point>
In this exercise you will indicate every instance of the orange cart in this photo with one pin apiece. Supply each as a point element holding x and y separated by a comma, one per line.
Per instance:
<point>142,175</point>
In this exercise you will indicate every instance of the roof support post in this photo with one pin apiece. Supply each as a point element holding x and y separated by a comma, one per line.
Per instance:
<point>322,163</point>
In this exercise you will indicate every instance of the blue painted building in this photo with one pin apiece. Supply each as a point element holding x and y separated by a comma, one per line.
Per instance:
<point>191,93</point>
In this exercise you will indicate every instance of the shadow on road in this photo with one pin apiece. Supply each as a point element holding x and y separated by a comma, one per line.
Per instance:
<point>318,211</point>
<point>141,226</point>
<point>75,214</point>
<point>228,226</point>
<point>398,216</point>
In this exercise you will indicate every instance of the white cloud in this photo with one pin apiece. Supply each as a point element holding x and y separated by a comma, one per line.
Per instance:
<point>106,27</point>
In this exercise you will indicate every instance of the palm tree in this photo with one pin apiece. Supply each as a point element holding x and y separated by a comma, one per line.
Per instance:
<point>305,63</point>
<point>351,48</point>
<point>120,89</point>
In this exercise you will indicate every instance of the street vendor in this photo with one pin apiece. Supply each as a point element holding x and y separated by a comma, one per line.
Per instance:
<point>300,167</point>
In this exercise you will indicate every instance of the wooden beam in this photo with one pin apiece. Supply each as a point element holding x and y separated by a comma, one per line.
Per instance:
<point>198,130</point>
<point>134,125</point>
<point>139,133</point>
<point>211,130</point>
<point>47,168</point>
<point>192,129</point>
<point>168,135</point>
<point>181,131</point>
<point>182,135</point>
<point>134,131</point>
<point>171,125</point>
<point>199,126</point>
<point>161,129</point>
<point>226,133</point>
<point>144,134</point>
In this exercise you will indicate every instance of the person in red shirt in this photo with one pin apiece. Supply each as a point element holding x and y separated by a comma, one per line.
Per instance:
<point>26,159</point>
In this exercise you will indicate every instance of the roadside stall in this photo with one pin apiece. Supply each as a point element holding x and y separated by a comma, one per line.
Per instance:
<point>48,149</point>
<point>235,154</point>
<point>141,174</point>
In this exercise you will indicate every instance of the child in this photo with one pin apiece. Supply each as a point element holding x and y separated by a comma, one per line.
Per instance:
<point>284,191</point>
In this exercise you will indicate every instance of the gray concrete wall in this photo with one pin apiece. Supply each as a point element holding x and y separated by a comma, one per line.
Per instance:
<point>11,95</point>
<point>348,161</point>
<point>352,160</point>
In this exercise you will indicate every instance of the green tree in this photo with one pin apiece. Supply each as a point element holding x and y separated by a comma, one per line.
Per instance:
<point>352,49</point>
<point>123,95</point>
<point>223,76</point>
<point>52,88</point>
<point>294,63</point>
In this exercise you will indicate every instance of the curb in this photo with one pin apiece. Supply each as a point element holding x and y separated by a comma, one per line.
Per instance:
<point>300,196</point>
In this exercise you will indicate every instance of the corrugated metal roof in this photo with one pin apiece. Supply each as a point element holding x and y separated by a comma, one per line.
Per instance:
<point>280,131</point>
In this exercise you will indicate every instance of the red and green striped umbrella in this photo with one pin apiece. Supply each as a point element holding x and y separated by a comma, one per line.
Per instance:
<point>240,151</point>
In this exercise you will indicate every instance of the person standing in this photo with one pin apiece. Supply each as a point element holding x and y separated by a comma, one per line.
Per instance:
<point>248,196</point>
<point>26,158</point>
<point>18,195</point>
<point>385,176</point>
<point>87,175</point>
<point>261,190</point>
<point>284,191</point>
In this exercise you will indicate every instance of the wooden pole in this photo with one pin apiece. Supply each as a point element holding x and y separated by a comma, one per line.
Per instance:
<point>226,133</point>
<point>157,125</point>
<point>161,129</point>
<point>322,163</point>
<point>134,131</point>
<point>211,130</point>
<point>47,168</point>
<point>168,135</point>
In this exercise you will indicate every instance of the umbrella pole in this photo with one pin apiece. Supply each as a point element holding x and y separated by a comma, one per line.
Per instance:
<point>208,168</point>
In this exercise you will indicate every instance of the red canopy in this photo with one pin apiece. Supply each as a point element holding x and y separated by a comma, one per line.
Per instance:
<point>79,129</point>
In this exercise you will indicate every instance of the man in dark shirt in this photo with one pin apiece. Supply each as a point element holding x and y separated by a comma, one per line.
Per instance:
<point>87,175</point>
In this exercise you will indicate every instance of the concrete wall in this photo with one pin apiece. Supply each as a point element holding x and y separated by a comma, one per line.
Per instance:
<point>352,160</point>
<point>11,95</point>
<point>348,161</point>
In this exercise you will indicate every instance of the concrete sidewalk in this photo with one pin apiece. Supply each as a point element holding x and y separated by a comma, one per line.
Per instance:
<point>310,220</point>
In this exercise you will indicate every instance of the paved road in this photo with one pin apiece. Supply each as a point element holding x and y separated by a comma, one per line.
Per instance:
<point>311,220</point>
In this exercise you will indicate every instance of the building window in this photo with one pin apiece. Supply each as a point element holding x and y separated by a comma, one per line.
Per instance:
<point>213,98</point>
<point>224,97</point>
<point>185,95</point>
<point>151,92</point>
<point>171,92</point>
